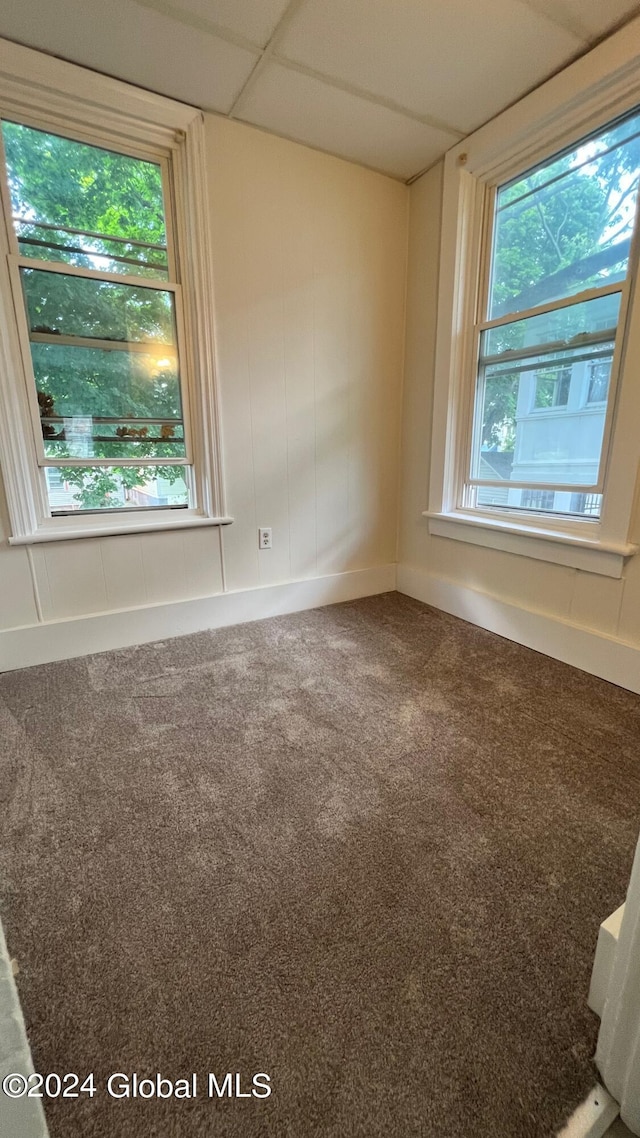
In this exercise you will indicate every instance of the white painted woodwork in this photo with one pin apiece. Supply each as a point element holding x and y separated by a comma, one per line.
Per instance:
<point>52,93</point>
<point>594,621</point>
<point>100,631</point>
<point>584,97</point>
<point>593,1117</point>
<point>618,1050</point>
<point>308,257</point>
<point>608,935</point>
<point>544,631</point>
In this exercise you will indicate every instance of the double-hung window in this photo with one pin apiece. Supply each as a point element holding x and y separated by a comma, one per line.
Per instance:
<point>555,292</point>
<point>107,383</point>
<point>533,449</point>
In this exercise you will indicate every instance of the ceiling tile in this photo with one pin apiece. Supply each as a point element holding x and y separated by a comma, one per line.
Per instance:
<point>255,20</point>
<point>460,62</point>
<point>589,18</point>
<point>133,43</point>
<point>305,109</point>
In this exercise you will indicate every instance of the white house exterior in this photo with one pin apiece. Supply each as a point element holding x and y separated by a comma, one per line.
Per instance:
<point>559,426</point>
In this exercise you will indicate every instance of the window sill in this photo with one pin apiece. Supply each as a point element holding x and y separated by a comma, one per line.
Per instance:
<point>109,527</point>
<point>572,549</point>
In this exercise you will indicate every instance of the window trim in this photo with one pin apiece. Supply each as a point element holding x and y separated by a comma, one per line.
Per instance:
<point>595,89</point>
<point>51,94</point>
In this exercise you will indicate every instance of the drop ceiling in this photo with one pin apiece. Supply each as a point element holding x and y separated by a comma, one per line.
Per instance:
<point>391,84</point>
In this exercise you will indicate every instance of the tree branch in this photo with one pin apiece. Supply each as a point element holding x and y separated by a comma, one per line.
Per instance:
<point>630,190</point>
<point>549,233</point>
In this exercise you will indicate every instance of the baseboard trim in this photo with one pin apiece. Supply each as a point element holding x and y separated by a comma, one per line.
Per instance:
<point>606,948</point>
<point>593,1117</point>
<point>593,652</point>
<point>99,632</point>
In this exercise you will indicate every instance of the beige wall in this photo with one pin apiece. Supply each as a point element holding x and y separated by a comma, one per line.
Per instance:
<point>309,276</point>
<point>587,600</point>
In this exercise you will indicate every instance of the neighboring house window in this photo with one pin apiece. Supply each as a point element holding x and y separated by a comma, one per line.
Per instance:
<point>552,387</point>
<point>537,499</point>
<point>538,255</point>
<point>585,505</point>
<point>114,425</point>
<point>598,381</point>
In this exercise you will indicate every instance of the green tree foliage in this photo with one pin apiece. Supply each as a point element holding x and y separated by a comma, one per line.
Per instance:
<point>58,182</point>
<point>63,182</point>
<point>563,228</point>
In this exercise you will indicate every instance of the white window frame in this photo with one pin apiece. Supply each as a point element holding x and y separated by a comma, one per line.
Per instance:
<point>589,94</point>
<point>61,97</point>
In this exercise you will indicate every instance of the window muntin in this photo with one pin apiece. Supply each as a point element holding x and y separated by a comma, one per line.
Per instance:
<point>103,335</point>
<point>560,247</point>
<point>552,329</point>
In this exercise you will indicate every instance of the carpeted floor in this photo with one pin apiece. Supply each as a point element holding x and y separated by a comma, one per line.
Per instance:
<point>363,849</point>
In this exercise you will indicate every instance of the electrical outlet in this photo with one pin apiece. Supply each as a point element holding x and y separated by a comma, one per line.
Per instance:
<point>264,538</point>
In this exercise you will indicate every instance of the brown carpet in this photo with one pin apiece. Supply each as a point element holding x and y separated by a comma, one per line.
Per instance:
<point>363,849</point>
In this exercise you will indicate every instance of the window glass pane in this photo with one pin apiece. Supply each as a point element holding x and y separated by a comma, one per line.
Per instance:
<point>80,488</point>
<point>531,421</point>
<point>567,224</point>
<point>59,304</point>
<point>84,205</point>
<point>111,403</point>
<point>560,327</point>
<point>541,501</point>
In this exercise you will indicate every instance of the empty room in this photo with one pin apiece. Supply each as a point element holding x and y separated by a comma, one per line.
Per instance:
<point>319,569</point>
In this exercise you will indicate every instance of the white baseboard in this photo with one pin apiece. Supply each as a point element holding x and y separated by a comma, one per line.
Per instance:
<point>99,632</point>
<point>608,936</point>
<point>593,652</point>
<point>593,1117</point>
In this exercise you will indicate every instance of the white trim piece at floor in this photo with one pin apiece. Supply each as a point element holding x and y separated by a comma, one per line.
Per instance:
<point>608,935</point>
<point>593,1117</point>
<point>19,1117</point>
<point>99,632</point>
<point>592,652</point>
